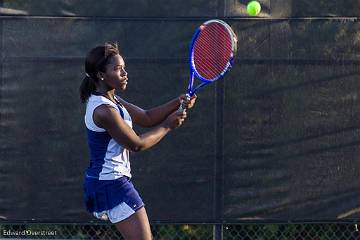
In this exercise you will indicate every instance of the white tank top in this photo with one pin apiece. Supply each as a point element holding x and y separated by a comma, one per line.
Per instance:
<point>108,159</point>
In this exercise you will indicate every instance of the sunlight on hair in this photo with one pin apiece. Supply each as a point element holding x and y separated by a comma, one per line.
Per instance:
<point>111,49</point>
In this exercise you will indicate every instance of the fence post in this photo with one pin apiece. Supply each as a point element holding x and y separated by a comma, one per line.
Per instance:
<point>219,162</point>
<point>218,232</point>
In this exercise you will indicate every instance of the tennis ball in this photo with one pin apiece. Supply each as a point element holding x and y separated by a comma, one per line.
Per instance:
<point>253,8</point>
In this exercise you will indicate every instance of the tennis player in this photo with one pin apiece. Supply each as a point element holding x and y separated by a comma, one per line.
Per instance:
<point>109,192</point>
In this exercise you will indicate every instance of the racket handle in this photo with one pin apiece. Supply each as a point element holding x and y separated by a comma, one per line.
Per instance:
<point>182,107</point>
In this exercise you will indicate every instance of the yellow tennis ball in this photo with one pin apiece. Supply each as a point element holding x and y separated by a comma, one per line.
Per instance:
<point>253,8</point>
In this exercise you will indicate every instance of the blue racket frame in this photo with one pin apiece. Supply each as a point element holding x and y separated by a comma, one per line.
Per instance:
<point>194,72</point>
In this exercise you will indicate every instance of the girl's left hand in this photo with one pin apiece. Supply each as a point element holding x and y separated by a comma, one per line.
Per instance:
<point>187,102</point>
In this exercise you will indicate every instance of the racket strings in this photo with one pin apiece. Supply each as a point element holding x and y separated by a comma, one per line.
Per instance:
<point>212,51</point>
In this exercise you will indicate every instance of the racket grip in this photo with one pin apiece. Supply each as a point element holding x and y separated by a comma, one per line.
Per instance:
<point>182,107</point>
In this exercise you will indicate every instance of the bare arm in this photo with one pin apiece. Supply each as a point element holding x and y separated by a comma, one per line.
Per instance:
<point>156,115</point>
<point>108,118</point>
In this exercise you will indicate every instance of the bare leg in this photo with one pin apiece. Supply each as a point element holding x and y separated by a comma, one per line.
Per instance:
<point>136,227</point>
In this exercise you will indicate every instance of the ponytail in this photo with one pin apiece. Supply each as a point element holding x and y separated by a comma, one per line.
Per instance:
<point>87,87</point>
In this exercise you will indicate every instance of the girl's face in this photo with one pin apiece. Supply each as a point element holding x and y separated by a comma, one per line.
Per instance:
<point>115,75</point>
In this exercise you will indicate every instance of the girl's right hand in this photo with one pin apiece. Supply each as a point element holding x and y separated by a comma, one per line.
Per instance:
<point>175,119</point>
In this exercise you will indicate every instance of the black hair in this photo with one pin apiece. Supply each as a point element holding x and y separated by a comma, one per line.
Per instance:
<point>96,61</point>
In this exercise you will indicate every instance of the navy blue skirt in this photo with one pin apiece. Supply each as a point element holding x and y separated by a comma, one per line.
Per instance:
<point>101,195</point>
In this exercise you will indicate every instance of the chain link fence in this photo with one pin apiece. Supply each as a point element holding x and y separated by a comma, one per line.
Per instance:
<point>318,231</point>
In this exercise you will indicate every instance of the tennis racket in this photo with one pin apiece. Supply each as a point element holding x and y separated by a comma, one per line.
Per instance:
<point>212,52</point>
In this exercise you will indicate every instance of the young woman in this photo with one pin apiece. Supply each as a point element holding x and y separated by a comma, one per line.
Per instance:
<point>109,192</point>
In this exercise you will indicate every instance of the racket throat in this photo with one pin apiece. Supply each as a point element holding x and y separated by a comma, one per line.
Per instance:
<point>192,91</point>
<point>191,83</point>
